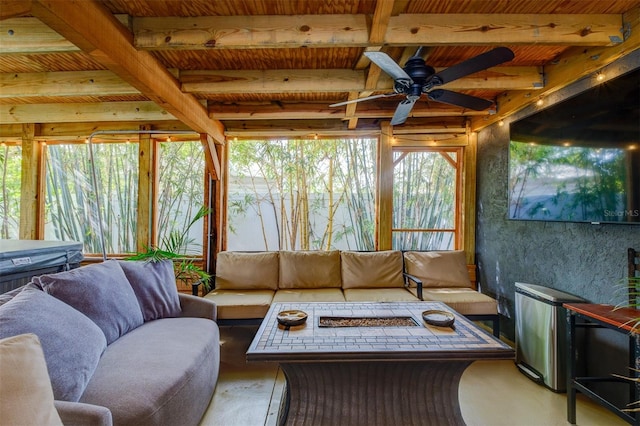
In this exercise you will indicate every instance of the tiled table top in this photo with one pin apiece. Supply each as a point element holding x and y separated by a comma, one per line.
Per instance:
<point>309,342</point>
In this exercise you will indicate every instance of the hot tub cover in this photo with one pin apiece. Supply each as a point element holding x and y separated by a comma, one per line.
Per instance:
<point>17,256</point>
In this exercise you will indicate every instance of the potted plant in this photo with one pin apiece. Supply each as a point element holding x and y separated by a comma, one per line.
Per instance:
<point>174,247</point>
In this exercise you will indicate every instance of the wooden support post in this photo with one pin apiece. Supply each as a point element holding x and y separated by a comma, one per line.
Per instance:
<point>468,208</point>
<point>145,190</point>
<point>221,187</point>
<point>31,209</point>
<point>384,212</point>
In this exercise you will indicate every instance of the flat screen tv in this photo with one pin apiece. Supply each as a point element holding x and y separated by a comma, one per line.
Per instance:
<point>579,160</point>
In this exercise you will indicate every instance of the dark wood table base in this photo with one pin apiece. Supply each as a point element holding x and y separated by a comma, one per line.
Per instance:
<point>372,393</point>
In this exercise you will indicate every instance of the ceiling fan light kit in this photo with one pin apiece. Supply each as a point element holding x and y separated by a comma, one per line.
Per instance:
<point>418,78</point>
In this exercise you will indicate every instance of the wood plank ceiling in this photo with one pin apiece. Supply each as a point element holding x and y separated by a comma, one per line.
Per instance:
<point>272,67</point>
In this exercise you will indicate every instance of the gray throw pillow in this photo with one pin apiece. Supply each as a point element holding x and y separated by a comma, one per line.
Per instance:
<point>71,342</point>
<point>5,297</point>
<point>154,284</point>
<point>102,292</point>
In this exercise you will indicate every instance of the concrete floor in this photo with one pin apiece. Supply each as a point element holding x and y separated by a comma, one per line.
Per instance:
<point>492,393</point>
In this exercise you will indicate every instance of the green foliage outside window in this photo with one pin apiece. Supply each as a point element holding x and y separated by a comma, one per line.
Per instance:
<point>70,199</point>
<point>10,170</point>
<point>424,200</point>
<point>302,194</point>
<point>181,196</point>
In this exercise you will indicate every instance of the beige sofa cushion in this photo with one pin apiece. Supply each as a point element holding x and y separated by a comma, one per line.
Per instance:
<point>465,301</point>
<point>26,395</point>
<point>309,295</point>
<point>379,295</point>
<point>310,269</point>
<point>247,271</point>
<point>239,304</point>
<point>438,268</point>
<point>375,269</point>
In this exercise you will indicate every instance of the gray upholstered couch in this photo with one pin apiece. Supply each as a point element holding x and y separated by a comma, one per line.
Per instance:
<point>246,283</point>
<point>121,345</point>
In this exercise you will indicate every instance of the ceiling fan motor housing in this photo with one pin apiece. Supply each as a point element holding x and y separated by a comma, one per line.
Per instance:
<point>420,73</point>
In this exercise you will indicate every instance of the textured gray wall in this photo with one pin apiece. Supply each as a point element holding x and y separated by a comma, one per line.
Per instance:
<point>578,258</point>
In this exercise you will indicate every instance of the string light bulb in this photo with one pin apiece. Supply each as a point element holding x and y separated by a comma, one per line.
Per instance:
<point>600,77</point>
<point>501,123</point>
<point>540,102</point>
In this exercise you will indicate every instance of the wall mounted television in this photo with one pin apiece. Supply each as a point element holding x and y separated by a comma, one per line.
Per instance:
<point>579,159</point>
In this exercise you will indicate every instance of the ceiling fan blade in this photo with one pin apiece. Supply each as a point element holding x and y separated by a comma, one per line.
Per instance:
<point>402,111</point>
<point>459,99</point>
<point>478,63</point>
<point>368,98</point>
<point>388,65</point>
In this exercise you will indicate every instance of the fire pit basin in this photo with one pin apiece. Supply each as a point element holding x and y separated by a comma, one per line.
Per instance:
<point>367,322</point>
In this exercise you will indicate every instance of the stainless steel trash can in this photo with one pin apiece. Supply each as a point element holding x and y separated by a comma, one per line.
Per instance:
<point>541,330</point>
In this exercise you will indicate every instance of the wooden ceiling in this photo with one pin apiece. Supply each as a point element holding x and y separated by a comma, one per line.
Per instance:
<point>273,67</point>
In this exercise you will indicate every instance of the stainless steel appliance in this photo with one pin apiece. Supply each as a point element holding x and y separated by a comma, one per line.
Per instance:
<point>541,329</point>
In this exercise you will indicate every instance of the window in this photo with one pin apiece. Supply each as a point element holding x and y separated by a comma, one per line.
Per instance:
<point>425,199</point>
<point>10,176</point>
<point>71,201</point>
<point>301,194</point>
<point>180,196</point>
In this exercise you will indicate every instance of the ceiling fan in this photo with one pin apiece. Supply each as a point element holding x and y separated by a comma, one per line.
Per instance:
<point>417,78</point>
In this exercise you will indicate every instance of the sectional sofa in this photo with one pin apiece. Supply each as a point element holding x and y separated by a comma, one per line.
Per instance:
<point>111,343</point>
<point>246,283</point>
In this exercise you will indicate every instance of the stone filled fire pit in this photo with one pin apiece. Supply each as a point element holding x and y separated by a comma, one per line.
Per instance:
<point>367,322</point>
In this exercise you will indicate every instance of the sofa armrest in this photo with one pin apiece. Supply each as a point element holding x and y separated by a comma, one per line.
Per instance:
<point>418,281</point>
<point>197,307</point>
<point>78,413</point>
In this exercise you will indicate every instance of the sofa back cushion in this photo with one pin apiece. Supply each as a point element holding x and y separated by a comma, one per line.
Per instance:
<point>71,342</point>
<point>154,284</point>
<point>310,269</point>
<point>376,269</point>
<point>26,397</point>
<point>247,271</point>
<point>438,268</point>
<point>102,292</point>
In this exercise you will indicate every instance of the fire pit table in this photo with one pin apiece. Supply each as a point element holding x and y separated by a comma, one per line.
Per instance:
<point>371,363</point>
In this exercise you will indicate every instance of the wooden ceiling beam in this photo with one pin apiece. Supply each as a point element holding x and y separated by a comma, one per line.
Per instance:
<point>78,112</point>
<point>250,32</point>
<point>147,111</point>
<point>341,80</point>
<point>78,132</point>
<point>13,8</point>
<point>91,27</point>
<point>66,83</point>
<point>106,83</point>
<point>315,110</point>
<point>377,31</point>
<point>572,65</point>
<point>255,32</point>
<point>511,29</point>
<point>30,35</point>
<point>271,81</point>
